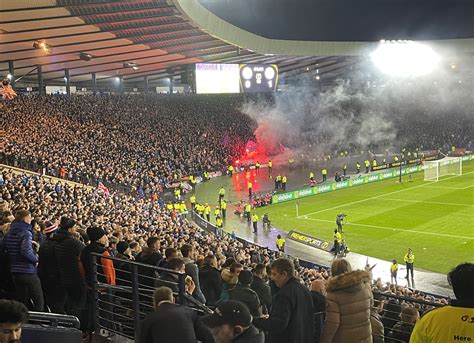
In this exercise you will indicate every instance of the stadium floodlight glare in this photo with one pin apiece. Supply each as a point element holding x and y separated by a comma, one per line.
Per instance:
<point>43,46</point>
<point>404,58</point>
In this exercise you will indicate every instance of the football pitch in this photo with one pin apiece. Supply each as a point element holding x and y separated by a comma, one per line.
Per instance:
<point>435,219</point>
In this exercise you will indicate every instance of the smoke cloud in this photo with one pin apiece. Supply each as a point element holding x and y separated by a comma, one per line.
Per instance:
<point>376,116</point>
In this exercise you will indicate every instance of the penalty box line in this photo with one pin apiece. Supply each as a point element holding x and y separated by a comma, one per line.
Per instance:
<point>393,229</point>
<point>377,196</point>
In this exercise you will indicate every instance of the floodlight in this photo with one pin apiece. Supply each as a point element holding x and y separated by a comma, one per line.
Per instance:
<point>9,76</point>
<point>405,58</point>
<point>85,57</point>
<point>43,46</point>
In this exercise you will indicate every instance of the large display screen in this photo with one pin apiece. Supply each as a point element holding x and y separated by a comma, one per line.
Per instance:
<point>217,78</point>
<point>258,78</point>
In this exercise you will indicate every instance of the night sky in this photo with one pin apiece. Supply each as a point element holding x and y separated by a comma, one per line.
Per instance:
<point>349,20</point>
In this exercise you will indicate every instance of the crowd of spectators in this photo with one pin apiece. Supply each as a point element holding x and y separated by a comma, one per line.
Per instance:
<point>125,140</point>
<point>47,226</point>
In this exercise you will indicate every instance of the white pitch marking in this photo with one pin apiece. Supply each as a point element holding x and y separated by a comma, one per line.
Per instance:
<point>379,196</point>
<point>394,229</point>
<point>428,202</point>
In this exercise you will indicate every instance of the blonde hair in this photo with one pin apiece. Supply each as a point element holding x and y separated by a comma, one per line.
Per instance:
<point>340,266</point>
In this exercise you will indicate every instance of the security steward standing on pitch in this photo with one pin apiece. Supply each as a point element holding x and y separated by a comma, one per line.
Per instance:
<point>409,260</point>
<point>367,166</point>
<point>324,172</point>
<point>337,242</point>
<point>283,183</point>
<point>255,222</point>
<point>223,208</point>
<point>357,167</point>
<point>344,170</point>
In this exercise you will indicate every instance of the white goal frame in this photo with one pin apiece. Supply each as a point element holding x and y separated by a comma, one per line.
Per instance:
<point>445,166</point>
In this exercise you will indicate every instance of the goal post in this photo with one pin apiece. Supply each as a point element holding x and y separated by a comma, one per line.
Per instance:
<point>445,166</point>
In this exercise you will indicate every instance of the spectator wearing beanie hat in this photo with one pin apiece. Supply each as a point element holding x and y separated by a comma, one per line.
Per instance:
<point>243,293</point>
<point>122,267</point>
<point>48,270</point>
<point>67,250</point>
<point>105,268</point>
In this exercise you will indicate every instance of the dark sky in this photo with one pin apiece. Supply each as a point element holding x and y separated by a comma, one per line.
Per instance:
<point>349,20</point>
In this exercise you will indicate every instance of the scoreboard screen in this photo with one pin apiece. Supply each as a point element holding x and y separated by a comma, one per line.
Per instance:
<point>217,78</point>
<point>258,78</point>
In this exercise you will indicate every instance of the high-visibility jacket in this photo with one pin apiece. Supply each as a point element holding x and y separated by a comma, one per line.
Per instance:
<point>217,212</point>
<point>270,164</point>
<point>254,218</point>
<point>367,163</point>
<point>183,208</point>
<point>249,185</point>
<point>394,268</point>
<point>257,165</point>
<point>223,205</point>
<point>280,243</point>
<point>324,171</point>
<point>207,209</point>
<point>193,199</point>
<point>311,175</point>
<point>222,191</point>
<point>409,258</point>
<point>169,207</point>
<point>357,165</point>
<point>338,237</point>
<point>374,163</point>
<point>248,208</point>
<point>283,179</point>
<point>444,324</point>
<point>278,178</point>
<point>219,222</point>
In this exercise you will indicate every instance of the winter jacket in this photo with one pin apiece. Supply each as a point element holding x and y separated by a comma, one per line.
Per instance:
<point>377,326</point>
<point>192,270</point>
<point>248,296</point>
<point>251,335</point>
<point>211,284</point>
<point>291,317</point>
<point>48,269</point>
<point>67,250</point>
<point>263,291</point>
<point>105,266</point>
<point>147,276</point>
<point>400,333</point>
<point>171,323</point>
<point>230,280</point>
<point>349,299</point>
<point>18,243</point>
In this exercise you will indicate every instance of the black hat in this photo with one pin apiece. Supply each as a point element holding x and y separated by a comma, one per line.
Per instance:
<point>66,223</point>
<point>229,312</point>
<point>245,277</point>
<point>122,246</point>
<point>95,233</point>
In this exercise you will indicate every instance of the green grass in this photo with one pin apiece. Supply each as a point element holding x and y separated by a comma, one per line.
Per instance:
<point>435,219</point>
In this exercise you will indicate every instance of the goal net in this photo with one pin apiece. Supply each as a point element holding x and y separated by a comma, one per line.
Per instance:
<point>446,166</point>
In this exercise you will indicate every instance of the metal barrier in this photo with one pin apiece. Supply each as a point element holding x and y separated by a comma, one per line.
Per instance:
<point>119,309</point>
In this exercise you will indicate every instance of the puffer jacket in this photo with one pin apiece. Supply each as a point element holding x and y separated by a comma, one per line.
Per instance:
<point>18,243</point>
<point>349,299</point>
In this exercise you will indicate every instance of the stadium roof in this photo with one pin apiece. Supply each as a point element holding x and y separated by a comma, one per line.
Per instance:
<point>157,37</point>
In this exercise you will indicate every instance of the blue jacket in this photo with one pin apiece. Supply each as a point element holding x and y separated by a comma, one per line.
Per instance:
<point>18,244</point>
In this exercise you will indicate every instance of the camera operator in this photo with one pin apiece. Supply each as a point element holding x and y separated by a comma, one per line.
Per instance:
<point>339,221</point>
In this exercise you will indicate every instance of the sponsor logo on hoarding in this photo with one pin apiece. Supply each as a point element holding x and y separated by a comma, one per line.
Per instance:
<point>386,175</point>
<point>333,186</point>
<point>357,181</point>
<point>305,192</point>
<point>324,188</point>
<point>341,184</point>
<point>285,196</point>
<point>373,177</point>
<point>366,179</point>
<point>311,241</point>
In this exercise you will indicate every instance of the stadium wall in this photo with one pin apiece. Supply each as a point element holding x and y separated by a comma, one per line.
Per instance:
<point>334,186</point>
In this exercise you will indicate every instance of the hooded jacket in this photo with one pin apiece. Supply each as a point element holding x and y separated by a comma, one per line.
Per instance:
<point>349,299</point>
<point>18,243</point>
